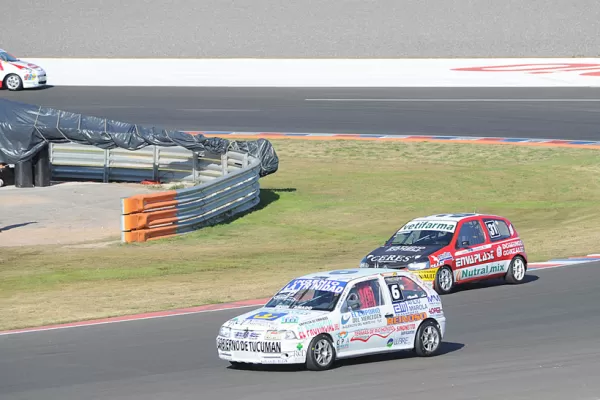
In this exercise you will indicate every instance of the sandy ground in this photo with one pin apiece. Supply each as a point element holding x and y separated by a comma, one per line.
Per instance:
<point>65,213</point>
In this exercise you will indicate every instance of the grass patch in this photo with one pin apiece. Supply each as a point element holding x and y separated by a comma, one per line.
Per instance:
<point>328,205</point>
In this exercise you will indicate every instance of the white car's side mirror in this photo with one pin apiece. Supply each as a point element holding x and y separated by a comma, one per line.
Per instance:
<point>352,302</point>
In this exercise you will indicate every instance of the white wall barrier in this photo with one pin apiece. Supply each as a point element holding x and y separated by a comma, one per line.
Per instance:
<point>403,72</point>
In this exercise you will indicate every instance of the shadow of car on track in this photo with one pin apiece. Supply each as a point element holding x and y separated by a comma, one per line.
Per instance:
<point>467,287</point>
<point>445,348</point>
<point>36,89</point>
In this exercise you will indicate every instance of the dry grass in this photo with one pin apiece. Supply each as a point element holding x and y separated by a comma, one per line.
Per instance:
<point>328,205</point>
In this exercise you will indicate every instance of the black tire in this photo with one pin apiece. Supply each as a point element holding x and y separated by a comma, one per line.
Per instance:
<point>440,284</point>
<point>429,329</point>
<point>517,270</point>
<point>11,87</point>
<point>318,344</point>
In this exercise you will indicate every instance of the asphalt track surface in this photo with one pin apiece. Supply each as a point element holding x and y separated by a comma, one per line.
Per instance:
<point>534,340</point>
<point>544,113</point>
<point>302,28</point>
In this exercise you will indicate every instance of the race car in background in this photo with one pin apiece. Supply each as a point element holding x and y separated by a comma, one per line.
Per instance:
<point>16,74</point>
<point>446,250</point>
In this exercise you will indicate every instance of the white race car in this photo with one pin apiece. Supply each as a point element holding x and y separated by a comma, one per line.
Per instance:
<point>324,316</point>
<point>16,74</point>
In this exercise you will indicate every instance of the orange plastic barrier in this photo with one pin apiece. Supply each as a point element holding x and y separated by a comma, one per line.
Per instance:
<point>142,202</point>
<point>144,216</point>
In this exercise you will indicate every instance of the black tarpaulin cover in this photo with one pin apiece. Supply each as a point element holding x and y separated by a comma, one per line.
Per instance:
<point>26,128</point>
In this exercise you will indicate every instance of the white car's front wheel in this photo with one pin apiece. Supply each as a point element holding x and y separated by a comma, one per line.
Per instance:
<point>13,82</point>
<point>321,353</point>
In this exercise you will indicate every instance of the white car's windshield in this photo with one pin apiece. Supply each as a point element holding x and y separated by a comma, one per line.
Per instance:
<point>4,56</point>
<point>424,233</point>
<point>309,294</point>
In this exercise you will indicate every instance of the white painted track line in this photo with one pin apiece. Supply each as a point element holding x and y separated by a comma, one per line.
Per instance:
<point>463,100</point>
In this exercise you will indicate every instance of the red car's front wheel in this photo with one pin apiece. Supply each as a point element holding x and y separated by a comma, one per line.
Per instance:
<point>444,280</point>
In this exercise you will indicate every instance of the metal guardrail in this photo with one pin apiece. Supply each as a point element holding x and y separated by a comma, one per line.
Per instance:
<point>152,216</point>
<point>225,185</point>
<point>71,161</point>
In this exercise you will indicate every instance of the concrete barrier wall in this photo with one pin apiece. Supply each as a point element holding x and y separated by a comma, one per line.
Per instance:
<point>494,72</point>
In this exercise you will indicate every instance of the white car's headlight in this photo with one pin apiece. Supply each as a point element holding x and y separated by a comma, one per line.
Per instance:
<point>363,263</point>
<point>290,335</point>
<point>281,334</point>
<point>225,331</point>
<point>419,265</point>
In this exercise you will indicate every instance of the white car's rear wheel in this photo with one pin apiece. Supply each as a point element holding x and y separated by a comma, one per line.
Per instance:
<point>321,353</point>
<point>516,270</point>
<point>13,82</point>
<point>428,339</point>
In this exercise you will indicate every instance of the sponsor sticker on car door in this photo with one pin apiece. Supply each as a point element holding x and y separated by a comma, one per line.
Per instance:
<point>476,258</point>
<point>410,305</point>
<point>478,262</point>
<point>364,328</point>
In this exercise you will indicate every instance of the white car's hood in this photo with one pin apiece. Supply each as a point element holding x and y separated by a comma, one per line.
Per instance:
<point>24,64</point>
<point>274,318</point>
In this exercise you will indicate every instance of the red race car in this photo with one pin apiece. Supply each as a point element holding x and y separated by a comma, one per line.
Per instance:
<point>446,250</point>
